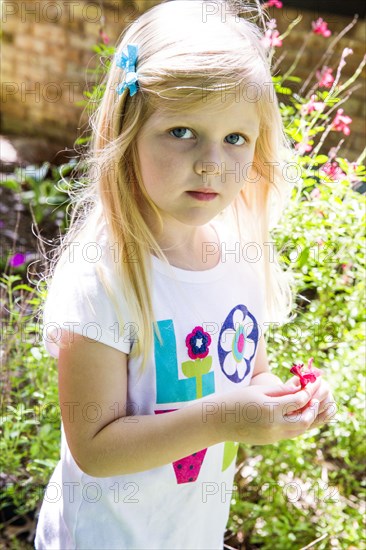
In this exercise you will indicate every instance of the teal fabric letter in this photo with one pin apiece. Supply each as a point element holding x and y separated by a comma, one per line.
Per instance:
<point>169,388</point>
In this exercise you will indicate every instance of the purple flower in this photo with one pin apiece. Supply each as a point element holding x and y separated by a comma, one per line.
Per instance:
<point>17,260</point>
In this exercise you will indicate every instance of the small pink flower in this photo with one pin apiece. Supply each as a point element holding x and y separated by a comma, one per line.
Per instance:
<point>315,194</point>
<point>319,241</point>
<point>271,39</point>
<point>273,3</point>
<point>346,52</point>
<point>308,375</point>
<point>340,123</point>
<point>332,153</point>
<point>353,177</point>
<point>325,77</point>
<point>313,105</point>
<point>333,171</point>
<point>303,147</point>
<point>271,24</point>
<point>104,37</point>
<point>320,213</point>
<point>346,279</point>
<point>321,27</point>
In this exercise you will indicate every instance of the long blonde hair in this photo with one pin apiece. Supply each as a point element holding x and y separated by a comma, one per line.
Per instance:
<point>183,52</point>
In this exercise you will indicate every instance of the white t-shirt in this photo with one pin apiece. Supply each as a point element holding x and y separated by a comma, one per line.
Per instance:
<point>210,320</point>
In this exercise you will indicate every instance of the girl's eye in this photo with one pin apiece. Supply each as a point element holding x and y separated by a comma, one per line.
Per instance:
<point>186,133</point>
<point>180,133</point>
<point>235,139</point>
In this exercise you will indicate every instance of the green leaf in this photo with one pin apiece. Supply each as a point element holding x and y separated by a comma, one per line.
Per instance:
<point>12,184</point>
<point>283,90</point>
<point>321,159</point>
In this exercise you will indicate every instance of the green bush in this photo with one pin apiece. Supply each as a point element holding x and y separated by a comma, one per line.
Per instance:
<point>289,494</point>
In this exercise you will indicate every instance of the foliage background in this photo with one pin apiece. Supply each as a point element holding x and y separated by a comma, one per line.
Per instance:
<point>295,494</point>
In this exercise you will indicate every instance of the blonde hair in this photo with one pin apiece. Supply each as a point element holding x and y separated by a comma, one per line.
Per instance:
<point>181,53</point>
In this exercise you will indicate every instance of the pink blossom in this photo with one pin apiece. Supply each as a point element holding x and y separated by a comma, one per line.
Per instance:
<point>313,105</point>
<point>332,152</point>
<point>303,147</point>
<point>273,3</point>
<point>321,27</point>
<point>346,52</point>
<point>340,123</point>
<point>308,375</point>
<point>325,77</point>
<point>104,37</point>
<point>346,279</point>
<point>333,171</point>
<point>271,38</point>
<point>271,24</point>
<point>353,177</point>
<point>315,194</point>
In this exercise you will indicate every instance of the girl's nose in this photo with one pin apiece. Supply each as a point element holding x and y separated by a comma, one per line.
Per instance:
<point>208,162</point>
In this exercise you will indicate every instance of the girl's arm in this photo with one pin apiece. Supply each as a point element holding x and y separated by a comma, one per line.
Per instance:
<point>108,436</point>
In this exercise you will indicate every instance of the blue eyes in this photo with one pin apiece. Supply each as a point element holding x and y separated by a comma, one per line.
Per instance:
<point>179,132</point>
<point>232,139</point>
<point>236,138</point>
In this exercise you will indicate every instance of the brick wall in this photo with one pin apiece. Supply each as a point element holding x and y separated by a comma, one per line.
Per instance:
<point>46,51</point>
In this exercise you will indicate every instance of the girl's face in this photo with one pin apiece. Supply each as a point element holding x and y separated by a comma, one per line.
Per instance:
<point>194,164</point>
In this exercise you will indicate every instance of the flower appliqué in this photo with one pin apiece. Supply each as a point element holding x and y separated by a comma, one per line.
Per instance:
<point>238,342</point>
<point>197,343</point>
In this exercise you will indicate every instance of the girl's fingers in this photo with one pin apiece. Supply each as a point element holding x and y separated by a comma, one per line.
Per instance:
<point>302,420</point>
<point>299,399</point>
<point>281,390</point>
<point>323,392</point>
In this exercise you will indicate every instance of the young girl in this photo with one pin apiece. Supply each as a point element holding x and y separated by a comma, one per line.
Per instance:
<point>157,305</point>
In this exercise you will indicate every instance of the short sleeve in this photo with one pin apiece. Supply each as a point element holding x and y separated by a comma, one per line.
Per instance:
<point>78,303</point>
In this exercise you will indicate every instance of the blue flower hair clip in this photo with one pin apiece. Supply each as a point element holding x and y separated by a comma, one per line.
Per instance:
<point>127,61</point>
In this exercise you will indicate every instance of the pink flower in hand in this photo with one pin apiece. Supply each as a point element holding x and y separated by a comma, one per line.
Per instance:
<point>340,123</point>
<point>308,375</point>
<point>325,77</point>
<point>321,27</point>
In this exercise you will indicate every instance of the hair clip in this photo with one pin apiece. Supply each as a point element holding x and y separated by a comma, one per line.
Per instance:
<point>127,61</point>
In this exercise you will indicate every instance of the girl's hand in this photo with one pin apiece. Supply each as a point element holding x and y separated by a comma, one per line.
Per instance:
<point>323,399</point>
<point>260,415</point>
<point>327,406</point>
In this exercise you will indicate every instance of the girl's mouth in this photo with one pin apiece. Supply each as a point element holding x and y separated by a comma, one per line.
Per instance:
<point>202,196</point>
